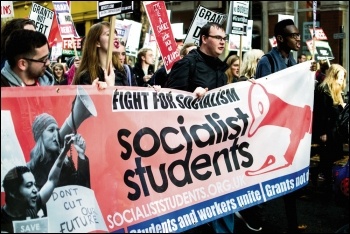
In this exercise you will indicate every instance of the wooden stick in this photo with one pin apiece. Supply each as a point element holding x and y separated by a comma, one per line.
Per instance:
<point>240,51</point>
<point>110,42</point>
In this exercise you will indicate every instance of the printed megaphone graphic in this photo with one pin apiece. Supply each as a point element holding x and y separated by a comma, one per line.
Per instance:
<point>82,108</point>
<point>268,109</point>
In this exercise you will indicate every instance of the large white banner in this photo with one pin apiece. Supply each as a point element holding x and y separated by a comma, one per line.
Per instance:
<point>174,162</point>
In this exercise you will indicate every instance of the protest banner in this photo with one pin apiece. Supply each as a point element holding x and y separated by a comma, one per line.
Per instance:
<point>72,47</point>
<point>166,161</point>
<point>110,8</point>
<point>202,16</point>
<point>43,18</point>
<point>161,28</point>
<point>31,226</point>
<point>321,48</point>
<point>123,30</point>
<point>240,13</point>
<point>7,9</point>
<point>132,44</point>
<point>235,40</point>
<point>64,20</point>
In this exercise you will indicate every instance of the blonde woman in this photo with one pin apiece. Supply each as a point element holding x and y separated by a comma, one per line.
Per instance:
<point>328,103</point>
<point>232,71</point>
<point>250,62</point>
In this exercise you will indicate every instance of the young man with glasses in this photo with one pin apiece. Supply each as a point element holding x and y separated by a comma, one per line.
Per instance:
<point>28,57</point>
<point>288,38</point>
<point>209,71</point>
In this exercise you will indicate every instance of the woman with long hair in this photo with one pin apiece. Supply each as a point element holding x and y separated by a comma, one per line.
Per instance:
<point>46,151</point>
<point>250,62</point>
<point>93,67</point>
<point>328,103</point>
<point>232,71</point>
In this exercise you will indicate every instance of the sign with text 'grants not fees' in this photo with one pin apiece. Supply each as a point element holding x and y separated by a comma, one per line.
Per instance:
<point>43,18</point>
<point>167,162</point>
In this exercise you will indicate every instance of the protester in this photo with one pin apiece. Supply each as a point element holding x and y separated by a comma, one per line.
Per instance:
<point>209,70</point>
<point>320,75</point>
<point>8,28</point>
<point>160,76</point>
<point>46,150</point>
<point>208,73</point>
<point>58,72</point>
<point>73,64</point>
<point>22,197</point>
<point>301,58</point>
<point>144,67</point>
<point>250,62</point>
<point>232,71</point>
<point>288,38</point>
<point>127,68</point>
<point>328,103</point>
<point>93,68</point>
<point>28,58</point>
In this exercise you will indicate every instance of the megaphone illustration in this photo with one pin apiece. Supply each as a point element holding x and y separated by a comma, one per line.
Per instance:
<point>82,108</point>
<point>268,109</point>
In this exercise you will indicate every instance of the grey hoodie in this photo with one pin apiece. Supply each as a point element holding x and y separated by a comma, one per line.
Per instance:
<point>14,81</point>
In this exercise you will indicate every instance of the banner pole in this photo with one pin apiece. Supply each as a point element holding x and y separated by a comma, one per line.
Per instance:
<point>110,42</point>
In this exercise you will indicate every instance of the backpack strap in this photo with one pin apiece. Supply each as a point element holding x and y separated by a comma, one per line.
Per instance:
<point>192,66</point>
<point>128,73</point>
<point>272,63</point>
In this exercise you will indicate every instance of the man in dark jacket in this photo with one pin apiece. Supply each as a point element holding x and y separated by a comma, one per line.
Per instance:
<point>202,68</point>
<point>209,70</point>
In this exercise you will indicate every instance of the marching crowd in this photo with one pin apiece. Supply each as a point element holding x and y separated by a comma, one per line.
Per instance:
<point>25,61</point>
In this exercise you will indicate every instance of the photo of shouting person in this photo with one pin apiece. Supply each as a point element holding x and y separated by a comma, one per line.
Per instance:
<point>23,199</point>
<point>46,150</point>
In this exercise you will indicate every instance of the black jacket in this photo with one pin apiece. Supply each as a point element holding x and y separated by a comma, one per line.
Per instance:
<point>209,72</point>
<point>120,78</point>
<point>139,74</point>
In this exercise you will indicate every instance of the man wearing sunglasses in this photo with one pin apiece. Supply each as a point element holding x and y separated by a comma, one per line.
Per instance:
<point>28,58</point>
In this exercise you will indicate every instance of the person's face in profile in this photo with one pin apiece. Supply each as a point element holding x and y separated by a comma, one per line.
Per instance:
<point>28,191</point>
<point>340,77</point>
<point>235,68</point>
<point>292,37</point>
<point>51,138</point>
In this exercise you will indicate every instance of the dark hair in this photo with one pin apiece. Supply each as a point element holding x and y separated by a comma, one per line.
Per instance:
<point>206,29</point>
<point>280,26</point>
<point>299,56</point>
<point>9,27</point>
<point>22,43</point>
<point>13,180</point>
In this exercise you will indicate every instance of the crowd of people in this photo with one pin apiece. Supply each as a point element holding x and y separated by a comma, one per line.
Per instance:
<point>25,61</point>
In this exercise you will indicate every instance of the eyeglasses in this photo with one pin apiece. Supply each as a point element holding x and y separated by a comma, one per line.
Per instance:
<point>43,61</point>
<point>122,53</point>
<point>293,35</point>
<point>218,38</point>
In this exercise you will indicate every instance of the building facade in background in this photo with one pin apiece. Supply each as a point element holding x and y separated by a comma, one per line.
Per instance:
<point>332,17</point>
